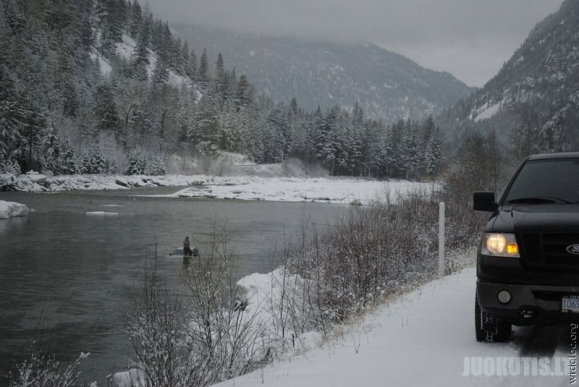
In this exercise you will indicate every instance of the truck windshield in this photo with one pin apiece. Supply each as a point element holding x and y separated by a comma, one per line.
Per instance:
<point>546,181</point>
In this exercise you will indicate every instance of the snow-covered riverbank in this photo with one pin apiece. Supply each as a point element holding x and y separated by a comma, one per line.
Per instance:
<point>34,182</point>
<point>329,190</point>
<point>11,209</point>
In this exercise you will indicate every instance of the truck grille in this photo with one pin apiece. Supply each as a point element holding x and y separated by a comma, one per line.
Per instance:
<point>548,252</point>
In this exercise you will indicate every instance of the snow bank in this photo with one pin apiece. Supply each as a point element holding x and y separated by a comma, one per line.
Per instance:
<point>41,183</point>
<point>328,190</point>
<point>11,209</point>
<point>261,296</point>
<point>130,378</point>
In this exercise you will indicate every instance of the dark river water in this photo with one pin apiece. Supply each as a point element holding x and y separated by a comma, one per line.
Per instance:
<point>64,275</point>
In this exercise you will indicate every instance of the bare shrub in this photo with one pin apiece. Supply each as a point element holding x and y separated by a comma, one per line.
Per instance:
<point>208,341</point>
<point>223,338</point>
<point>373,252</point>
<point>39,370</point>
<point>154,323</point>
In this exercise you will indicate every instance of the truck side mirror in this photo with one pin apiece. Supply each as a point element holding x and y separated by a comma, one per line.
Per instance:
<point>484,201</point>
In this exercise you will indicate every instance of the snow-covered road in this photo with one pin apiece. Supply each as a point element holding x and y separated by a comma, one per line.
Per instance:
<point>426,338</point>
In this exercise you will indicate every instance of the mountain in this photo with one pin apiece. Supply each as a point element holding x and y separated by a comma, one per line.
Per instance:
<point>386,85</point>
<point>534,99</point>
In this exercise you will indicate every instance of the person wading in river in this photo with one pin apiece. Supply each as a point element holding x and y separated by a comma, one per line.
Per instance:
<point>187,247</point>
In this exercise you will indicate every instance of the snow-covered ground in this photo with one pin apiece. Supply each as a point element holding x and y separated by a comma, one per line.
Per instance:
<point>11,209</point>
<point>330,190</point>
<point>423,338</point>
<point>33,182</point>
<point>486,111</point>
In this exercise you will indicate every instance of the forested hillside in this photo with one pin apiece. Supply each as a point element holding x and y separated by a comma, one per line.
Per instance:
<point>101,86</point>
<point>386,85</point>
<point>533,102</point>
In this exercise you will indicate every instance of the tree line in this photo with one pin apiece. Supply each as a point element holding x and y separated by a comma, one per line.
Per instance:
<point>101,86</point>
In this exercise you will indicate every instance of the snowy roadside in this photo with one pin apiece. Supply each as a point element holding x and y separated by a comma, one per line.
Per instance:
<point>294,189</point>
<point>422,338</point>
<point>11,209</point>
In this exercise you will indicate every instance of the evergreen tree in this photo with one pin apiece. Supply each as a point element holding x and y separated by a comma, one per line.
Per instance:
<point>553,136</point>
<point>15,18</point>
<point>68,164</point>
<point>10,124</point>
<point>95,161</point>
<point>155,167</point>
<point>192,65</point>
<point>137,163</point>
<point>433,154</point>
<point>136,19</point>
<point>202,71</point>
<point>141,62</point>
<point>243,97</point>
<point>51,150</point>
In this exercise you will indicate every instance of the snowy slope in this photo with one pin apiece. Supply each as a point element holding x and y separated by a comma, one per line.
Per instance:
<point>422,339</point>
<point>126,50</point>
<point>540,81</point>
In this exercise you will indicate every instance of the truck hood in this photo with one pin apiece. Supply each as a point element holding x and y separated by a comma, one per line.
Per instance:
<point>536,218</point>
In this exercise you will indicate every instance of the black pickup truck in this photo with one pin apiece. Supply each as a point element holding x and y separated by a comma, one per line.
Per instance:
<point>528,259</point>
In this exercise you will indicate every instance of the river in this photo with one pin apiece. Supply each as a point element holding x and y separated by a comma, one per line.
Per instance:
<point>64,275</point>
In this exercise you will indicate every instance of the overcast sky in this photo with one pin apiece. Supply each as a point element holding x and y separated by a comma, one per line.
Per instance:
<point>470,39</point>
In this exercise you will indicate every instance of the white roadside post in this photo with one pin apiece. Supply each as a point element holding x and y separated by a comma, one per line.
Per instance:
<point>441,239</point>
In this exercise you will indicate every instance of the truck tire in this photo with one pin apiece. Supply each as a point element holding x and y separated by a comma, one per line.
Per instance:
<point>489,328</point>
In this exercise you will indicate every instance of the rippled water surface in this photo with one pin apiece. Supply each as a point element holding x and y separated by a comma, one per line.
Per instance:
<point>64,275</point>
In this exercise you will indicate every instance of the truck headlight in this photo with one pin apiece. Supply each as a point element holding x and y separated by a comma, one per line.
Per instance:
<point>500,245</point>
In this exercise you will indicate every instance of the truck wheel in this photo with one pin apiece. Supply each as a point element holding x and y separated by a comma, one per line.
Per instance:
<point>489,328</point>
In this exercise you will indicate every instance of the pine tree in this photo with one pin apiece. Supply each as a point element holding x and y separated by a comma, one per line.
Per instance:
<point>137,163</point>
<point>95,161</point>
<point>136,19</point>
<point>10,125</point>
<point>184,60</point>
<point>243,97</point>
<point>105,109</point>
<point>192,65</point>
<point>155,167</point>
<point>51,150</point>
<point>221,79</point>
<point>202,71</point>
<point>141,62</point>
<point>68,164</point>
<point>432,154</point>
<point>553,136</point>
<point>14,16</point>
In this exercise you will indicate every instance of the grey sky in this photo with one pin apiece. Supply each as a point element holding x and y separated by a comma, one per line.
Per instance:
<point>470,39</point>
